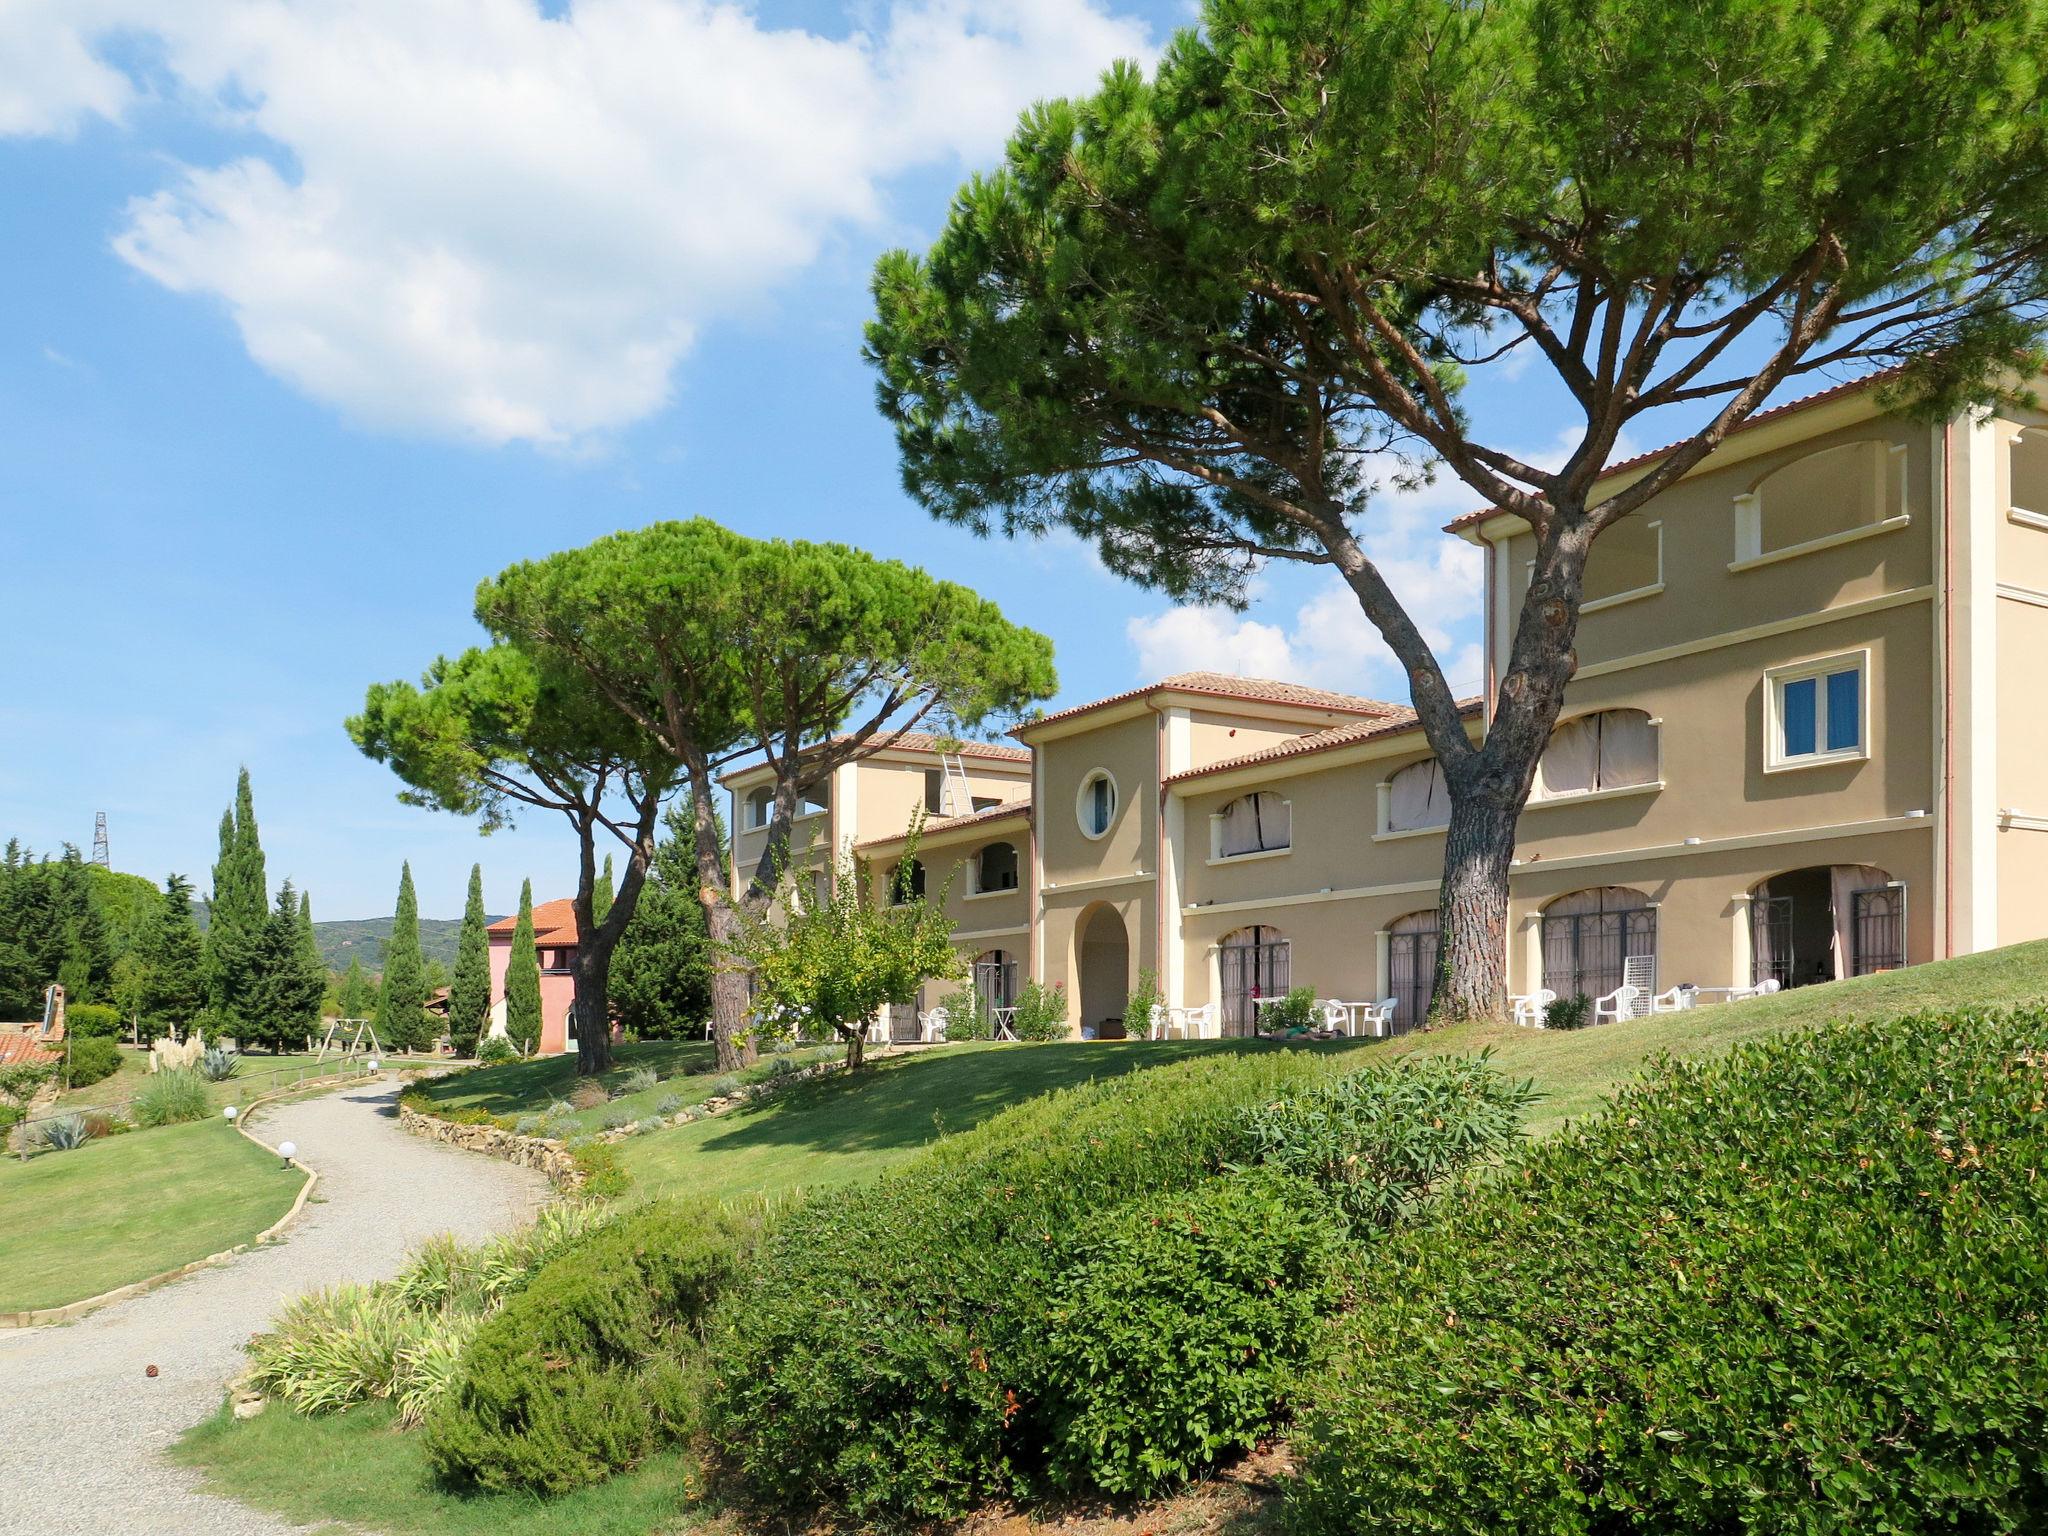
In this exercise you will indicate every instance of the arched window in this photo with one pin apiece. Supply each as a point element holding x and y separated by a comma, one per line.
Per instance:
<point>1417,798</point>
<point>1255,823</point>
<point>996,868</point>
<point>760,805</point>
<point>1411,966</point>
<point>995,978</point>
<point>1253,963</point>
<point>1820,495</point>
<point>1609,750</point>
<point>1096,803</point>
<point>1589,937</point>
<point>906,882</point>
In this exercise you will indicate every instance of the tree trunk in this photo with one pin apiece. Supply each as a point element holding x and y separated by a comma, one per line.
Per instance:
<point>1471,974</point>
<point>856,1049</point>
<point>728,986</point>
<point>592,1008</point>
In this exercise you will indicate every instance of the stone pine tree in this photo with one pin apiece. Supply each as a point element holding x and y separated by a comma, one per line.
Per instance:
<point>402,998</point>
<point>469,990</point>
<point>237,913</point>
<point>522,980</point>
<point>358,994</point>
<point>1200,318</point>
<point>807,656</point>
<point>174,977</point>
<point>497,730</point>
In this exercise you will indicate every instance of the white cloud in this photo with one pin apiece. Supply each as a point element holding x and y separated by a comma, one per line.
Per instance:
<point>474,219</point>
<point>51,82</point>
<point>1194,639</point>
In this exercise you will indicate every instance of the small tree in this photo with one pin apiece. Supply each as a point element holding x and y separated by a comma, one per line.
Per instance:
<point>401,1001</point>
<point>661,976</point>
<point>827,968</point>
<point>522,980</point>
<point>357,997</point>
<point>469,994</point>
<point>1198,319</point>
<point>174,980</point>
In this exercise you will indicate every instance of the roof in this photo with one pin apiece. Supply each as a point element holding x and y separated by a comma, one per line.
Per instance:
<point>1222,685</point>
<point>1775,413</point>
<point>1003,812</point>
<point>1349,734</point>
<point>554,922</point>
<point>913,741</point>
<point>17,1049</point>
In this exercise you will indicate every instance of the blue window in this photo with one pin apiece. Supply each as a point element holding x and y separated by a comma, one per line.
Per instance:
<point>1820,714</point>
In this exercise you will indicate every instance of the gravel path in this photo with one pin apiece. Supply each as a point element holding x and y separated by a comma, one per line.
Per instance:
<point>81,1424</point>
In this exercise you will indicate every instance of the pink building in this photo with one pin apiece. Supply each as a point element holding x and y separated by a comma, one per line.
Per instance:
<point>556,937</point>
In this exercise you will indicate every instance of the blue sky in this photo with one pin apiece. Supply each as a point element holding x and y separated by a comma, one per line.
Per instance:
<point>310,317</point>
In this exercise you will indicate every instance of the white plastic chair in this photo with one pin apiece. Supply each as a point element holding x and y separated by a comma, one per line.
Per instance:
<point>931,1025</point>
<point>1157,1023</point>
<point>1336,1015</point>
<point>1673,1000</point>
<point>1533,1011</point>
<point>1617,1005</point>
<point>1199,1023</point>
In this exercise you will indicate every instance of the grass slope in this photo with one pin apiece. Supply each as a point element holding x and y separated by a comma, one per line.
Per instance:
<point>261,1074</point>
<point>127,1207</point>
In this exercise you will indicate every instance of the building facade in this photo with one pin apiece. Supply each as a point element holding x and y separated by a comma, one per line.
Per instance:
<point>555,937</point>
<point>1801,743</point>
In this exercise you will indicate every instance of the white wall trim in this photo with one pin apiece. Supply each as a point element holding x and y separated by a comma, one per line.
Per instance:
<point>2022,821</point>
<point>1754,632</point>
<point>1035,961</point>
<point>1728,844</point>
<point>1248,858</point>
<point>2027,519</point>
<point>1584,797</point>
<point>1826,541</point>
<point>1349,893</point>
<point>1615,600</point>
<point>1974,832</point>
<point>1098,882</point>
<point>1180,755</point>
<point>2018,594</point>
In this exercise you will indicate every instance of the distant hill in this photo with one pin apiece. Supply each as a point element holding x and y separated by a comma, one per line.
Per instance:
<point>364,938</point>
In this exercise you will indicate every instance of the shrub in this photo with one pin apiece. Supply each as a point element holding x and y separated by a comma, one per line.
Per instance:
<point>604,1176</point>
<point>217,1065</point>
<point>1377,1142</point>
<point>723,1087</point>
<point>1041,1012</point>
<point>331,1348</point>
<point>1179,1327</point>
<point>889,1353</point>
<point>1796,1288</point>
<point>495,1050</point>
<point>94,1058</point>
<point>168,1098</point>
<point>639,1080</point>
<point>1138,1006</point>
<point>92,1021</point>
<point>1294,1013</point>
<point>668,1104</point>
<point>63,1134</point>
<point>592,1366</point>
<point>589,1093</point>
<point>616,1119</point>
<point>1574,1012</point>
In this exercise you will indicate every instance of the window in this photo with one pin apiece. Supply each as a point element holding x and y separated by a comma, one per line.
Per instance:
<point>815,799</point>
<point>557,962</point>
<point>1253,963</point>
<point>1626,561</point>
<point>934,791</point>
<point>1822,498</point>
<point>906,882</point>
<point>1096,803</point>
<point>1416,798</point>
<point>984,802</point>
<point>996,869</point>
<point>1589,936</point>
<point>1613,749</point>
<point>1256,823</point>
<point>760,805</point>
<point>1816,713</point>
<point>2028,467</point>
<point>1411,967</point>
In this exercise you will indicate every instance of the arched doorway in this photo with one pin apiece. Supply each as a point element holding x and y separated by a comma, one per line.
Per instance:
<point>1411,967</point>
<point>1251,963</point>
<point>1590,936</point>
<point>1104,953</point>
<point>1826,922</point>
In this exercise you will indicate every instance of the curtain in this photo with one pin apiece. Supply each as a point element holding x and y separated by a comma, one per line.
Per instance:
<point>1417,798</point>
<point>1276,821</point>
<point>1571,763</point>
<point>1844,881</point>
<point>1241,826</point>
<point>1762,941</point>
<point>1628,748</point>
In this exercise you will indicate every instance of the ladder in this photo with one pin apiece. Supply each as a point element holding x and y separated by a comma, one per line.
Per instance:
<point>954,799</point>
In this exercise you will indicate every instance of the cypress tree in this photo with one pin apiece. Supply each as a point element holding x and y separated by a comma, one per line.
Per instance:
<point>469,992</point>
<point>601,893</point>
<point>174,985</point>
<point>312,970</point>
<point>358,995</point>
<point>239,913</point>
<point>522,980</point>
<point>401,1002</point>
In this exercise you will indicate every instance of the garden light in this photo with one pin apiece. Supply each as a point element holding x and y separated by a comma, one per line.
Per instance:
<point>287,1150</point>
<point>228,1114</point>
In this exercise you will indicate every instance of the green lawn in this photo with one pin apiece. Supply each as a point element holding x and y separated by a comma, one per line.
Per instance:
<point>528,1087</point>
<point>261,1074</point>
<point>353,1468</point>
<point>127,1207</point>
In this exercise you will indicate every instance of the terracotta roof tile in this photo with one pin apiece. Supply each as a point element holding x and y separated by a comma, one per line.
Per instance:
<point>1818,397</point>
<point>1223,685</point>
<point>16,1049</point>
<point>1349,734</point>
<point>1001,812</point>
<point>554,922</point>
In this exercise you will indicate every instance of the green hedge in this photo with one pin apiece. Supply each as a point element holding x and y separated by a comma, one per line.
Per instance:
<point>891,1354</point>
<point>1799,1289</point>
<point>93,1058</point>
<point>97,1021</point>
<point>593,1364</point>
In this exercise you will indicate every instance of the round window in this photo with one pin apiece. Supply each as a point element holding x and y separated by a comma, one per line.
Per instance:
<point>1096,804</point>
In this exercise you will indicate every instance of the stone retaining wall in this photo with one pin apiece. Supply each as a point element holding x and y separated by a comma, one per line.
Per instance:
<point>548,1157</point>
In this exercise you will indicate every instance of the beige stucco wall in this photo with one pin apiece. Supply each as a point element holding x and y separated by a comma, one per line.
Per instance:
<point>1214,736</point>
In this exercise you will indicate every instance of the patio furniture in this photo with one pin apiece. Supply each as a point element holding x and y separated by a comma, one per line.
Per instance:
<point>1341,1016</point>
<point>931,1025</point>
<point>1675,1000</point>
<point>1533,1011</point>
<point>1157,1022</point>
<point>1197,1023</point>
<point>1003,1023</point>
<point>1617,1005</point>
